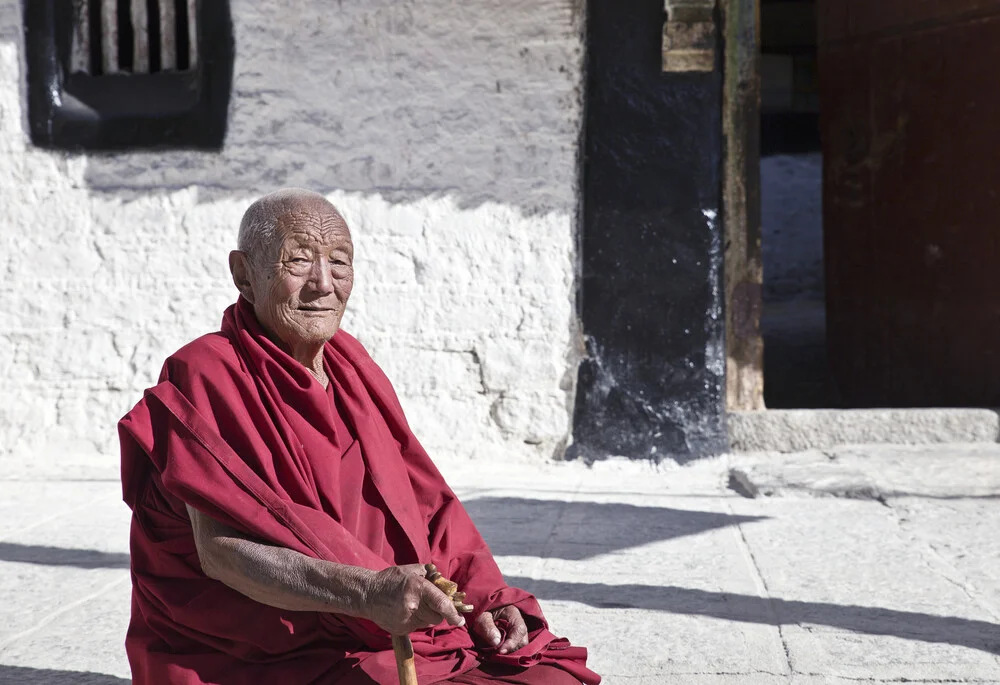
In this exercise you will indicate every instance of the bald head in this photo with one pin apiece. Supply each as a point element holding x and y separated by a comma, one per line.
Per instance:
<point>259,229</point>
<point>295,266</point>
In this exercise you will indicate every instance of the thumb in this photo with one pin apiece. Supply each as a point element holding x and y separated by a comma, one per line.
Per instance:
<point>487,629</point>
<point>440,603</point>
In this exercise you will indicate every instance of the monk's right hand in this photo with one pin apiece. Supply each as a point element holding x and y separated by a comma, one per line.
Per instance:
<point>401,600</point>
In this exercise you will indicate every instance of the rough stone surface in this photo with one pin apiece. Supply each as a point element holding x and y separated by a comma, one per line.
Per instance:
<point>875,472</point>
<point>797,430</point>
<point>449,140</point>
<point>702,585</point>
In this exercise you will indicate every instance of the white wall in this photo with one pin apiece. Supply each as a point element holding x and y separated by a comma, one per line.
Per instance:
<point>448,135</point>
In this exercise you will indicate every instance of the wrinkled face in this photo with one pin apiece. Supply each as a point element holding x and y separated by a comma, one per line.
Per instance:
<point>300,289</point>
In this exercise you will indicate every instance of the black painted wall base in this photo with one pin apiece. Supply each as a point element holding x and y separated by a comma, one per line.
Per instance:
<point>651,301</point>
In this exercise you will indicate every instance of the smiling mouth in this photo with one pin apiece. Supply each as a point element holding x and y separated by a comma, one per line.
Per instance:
<point>315,309</point>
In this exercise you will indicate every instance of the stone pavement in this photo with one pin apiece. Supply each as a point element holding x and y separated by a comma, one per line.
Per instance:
<point>861,564</point>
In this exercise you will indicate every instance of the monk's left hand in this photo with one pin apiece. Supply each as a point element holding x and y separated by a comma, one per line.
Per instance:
<point>517,632</point>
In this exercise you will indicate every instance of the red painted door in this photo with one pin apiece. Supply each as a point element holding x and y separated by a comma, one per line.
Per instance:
<point>910,100</point>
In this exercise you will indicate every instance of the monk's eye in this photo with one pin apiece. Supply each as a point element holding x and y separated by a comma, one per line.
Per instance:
<point>298,265</point>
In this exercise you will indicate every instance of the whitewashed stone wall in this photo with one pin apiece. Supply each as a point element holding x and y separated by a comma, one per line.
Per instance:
<point>448,135</point>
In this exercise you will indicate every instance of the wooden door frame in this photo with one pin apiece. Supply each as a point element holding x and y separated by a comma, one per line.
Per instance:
<point>743,268</point>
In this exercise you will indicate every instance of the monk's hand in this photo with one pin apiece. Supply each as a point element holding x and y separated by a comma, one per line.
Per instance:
<point>401,600</point>
<point>509,616</point>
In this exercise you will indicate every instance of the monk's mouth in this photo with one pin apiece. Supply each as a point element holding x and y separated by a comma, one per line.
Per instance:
<point>315,309</point>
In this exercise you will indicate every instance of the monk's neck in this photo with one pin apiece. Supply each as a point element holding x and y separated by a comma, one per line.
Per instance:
<point>311,357</point>
<point>309,354</point>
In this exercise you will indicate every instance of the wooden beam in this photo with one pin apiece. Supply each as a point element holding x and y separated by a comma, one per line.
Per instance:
<point>743,274</point>
<point>689,36</point>
<point>140,37</point>
<point>79,60</point>
<point>192,14</point>
<point>168,35</point>
<point>109,35</point>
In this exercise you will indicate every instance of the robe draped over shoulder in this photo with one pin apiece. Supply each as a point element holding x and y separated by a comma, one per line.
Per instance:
<point>242,432</point>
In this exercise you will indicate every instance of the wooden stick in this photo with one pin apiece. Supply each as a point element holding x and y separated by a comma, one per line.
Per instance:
<point>403,649</point>
<point>401,645</point>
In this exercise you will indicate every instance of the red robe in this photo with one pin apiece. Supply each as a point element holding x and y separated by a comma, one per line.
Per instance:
<point>242,432</point>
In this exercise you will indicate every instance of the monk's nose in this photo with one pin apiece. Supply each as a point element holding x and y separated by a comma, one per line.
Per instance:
<point>321,279</point>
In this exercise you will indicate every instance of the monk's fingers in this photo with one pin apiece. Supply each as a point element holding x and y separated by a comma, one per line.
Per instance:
<point>517,631</point>
<point>487,630</point>
<point>438,604</point>
<point>425,618</point>
<point>412,569</point>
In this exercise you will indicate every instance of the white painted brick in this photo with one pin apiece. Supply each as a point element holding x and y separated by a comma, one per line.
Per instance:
<point>516,363</point>
<point>428,373</point>
<point>447,422</point>
<point>384,263</point>
<point>536,418</point>
<point>448,140</point>
<point>22,415</point>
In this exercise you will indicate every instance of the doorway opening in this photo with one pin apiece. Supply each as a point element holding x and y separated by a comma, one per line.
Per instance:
<point>884,235</point>
<point>793,319</point>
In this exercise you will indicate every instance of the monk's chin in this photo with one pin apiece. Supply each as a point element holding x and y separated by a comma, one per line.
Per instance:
<point>317,332</point>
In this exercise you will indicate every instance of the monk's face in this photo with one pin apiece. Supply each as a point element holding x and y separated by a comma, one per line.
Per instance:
<point>301,287</point>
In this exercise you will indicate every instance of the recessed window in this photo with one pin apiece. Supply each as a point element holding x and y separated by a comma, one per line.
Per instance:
<point>121,74</point>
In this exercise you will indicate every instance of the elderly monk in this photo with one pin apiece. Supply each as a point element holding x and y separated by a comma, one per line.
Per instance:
<point>283,511</point>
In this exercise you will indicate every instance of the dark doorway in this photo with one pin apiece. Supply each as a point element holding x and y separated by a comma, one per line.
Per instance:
<point>879,190</point>
<point>793,321</point>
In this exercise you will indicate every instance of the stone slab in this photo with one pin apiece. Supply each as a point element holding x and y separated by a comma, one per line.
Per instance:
<point>856,598</point>
<point>872,472</point>
<point>701,585</point>
<point>795,430</point>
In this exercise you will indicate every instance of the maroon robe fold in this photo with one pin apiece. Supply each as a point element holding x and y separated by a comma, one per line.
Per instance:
<point>242,432</point>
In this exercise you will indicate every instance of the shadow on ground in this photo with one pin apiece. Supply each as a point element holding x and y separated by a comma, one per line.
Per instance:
<point>581,530</point>
<point>512,527</point>
<point>908,625</point>
<point>44,676</point>
<point>60,556</point>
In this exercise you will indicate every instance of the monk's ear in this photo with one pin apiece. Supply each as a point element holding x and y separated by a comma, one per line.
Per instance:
<point>239,266</point>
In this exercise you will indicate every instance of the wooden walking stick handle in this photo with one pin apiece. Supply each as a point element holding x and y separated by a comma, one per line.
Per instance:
<point>402,648</point>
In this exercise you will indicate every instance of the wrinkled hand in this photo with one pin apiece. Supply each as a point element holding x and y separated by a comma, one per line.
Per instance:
<point>517,632</point>
<point>400,600</point>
